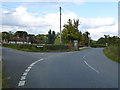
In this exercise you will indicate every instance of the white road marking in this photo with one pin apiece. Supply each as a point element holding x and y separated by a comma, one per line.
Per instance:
<point>91,67</point>
<point>41,59</point>
<point>25,73</point>
<point>29,67</point>
<point>23,77</point>
<point>27,70</point>
<point>83,56</point>
<point>35,62</point>
<point>21,83</point>
<point>31,64</point>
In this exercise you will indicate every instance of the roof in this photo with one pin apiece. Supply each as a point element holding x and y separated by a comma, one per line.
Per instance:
<point>20,39</point>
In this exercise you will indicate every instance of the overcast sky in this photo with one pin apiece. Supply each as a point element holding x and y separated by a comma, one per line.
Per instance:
<point>99,18</point>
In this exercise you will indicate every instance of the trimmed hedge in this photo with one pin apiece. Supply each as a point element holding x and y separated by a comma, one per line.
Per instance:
<point>56,47</point>
<point>98,45</point>
<point>34,48</point>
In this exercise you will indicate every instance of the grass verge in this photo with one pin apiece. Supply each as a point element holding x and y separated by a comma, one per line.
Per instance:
<point>3,79</point>
<point>112,52</point>
<point>0,74</point>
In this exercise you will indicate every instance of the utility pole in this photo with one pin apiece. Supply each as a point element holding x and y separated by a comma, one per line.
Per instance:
<point>60,26</point>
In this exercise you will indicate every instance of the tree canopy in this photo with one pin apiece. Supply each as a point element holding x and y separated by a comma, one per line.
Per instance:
<point>71,31</point>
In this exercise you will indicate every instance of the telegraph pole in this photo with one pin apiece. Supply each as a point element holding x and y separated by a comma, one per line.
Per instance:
<point>60,26</point>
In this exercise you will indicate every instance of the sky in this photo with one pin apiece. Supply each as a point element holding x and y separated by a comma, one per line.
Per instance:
<point>98,18</point>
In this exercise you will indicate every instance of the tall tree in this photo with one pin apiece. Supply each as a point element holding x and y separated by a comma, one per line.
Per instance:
<point>42,38</point>
<point>51,37</point>
<point>21,34</point>
<point>86,38</point>
<point>71,31</point>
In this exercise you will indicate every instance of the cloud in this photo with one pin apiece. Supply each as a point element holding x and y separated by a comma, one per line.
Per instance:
<point>99,26</point>
<point>75,1</point>
<point>43,1</point>
<point>97,22</point>
<point>24,20</point>
<point>21,19</point>
<point>96,33</point>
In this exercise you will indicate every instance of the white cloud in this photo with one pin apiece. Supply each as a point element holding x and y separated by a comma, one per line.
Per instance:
<point>43,1</point>
<point>60,1</point>
<point>96,33</point>
<point>99,26</point>
<point>23,20</point>
<point>97,22</point>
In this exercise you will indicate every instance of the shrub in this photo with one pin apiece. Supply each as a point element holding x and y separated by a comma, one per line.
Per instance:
<point>34,48</point>
<point>113,52</point>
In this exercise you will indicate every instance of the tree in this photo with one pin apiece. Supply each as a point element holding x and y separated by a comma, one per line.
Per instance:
<point>71,31</point>
<point>108,39</point>
<point>42,38</point>
<point>86,38</point>
<point>6,36</point>
<point>21,34</point>
<point>57,40</point>
<point>51,37</point>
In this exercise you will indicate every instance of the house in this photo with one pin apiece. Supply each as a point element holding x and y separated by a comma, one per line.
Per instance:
<point>19,40</point>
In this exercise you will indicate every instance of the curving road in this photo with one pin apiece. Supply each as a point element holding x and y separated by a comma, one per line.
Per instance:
<point>82,69</point>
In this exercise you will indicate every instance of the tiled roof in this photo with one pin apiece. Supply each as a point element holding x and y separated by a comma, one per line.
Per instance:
<point>20,39</point>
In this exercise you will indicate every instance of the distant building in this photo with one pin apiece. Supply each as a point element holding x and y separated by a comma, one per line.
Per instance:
<point>19,40</point>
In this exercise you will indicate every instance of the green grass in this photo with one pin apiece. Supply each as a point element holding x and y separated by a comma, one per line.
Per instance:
<point>3,79</point>
<point>0,75</point>
<point>112,52</point>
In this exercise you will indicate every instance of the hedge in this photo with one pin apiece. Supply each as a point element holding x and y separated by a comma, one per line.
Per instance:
<point>34,48</point>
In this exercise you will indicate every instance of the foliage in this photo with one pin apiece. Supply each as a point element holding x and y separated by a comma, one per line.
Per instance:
<point>7,35</point>
<point>86,39</point>
<point>108,39</point>
<point>43,38</point>
<point>112,52</point>
<point>51,37</point>
<point>21,34</point>
<point>34,48</point>
<point>57,40</point>
<point>71,32</point>
<point>56,47</point>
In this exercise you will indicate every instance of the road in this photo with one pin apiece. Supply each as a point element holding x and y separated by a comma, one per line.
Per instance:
<point>89,68</point>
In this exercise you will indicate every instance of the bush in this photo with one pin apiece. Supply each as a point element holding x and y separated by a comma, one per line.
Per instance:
<point>56,47</point>
<point>98,45</point>
<point>112,52</point>
<point>34,48</point>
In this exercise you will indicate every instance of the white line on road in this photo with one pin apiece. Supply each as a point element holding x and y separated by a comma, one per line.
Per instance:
<point>21,83</point>
<point>91,67</point>
<point>25,73</point>
<point>83,56</point>
<point>23,77</point>
<point>29,67</point>
<point>27,70</point>
<point>31,64</point>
